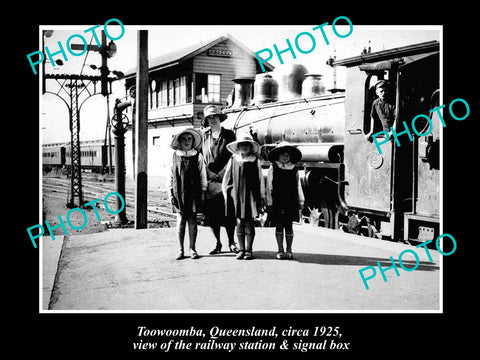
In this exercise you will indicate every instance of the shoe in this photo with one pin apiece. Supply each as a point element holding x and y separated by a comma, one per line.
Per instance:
<point>217,250</point>
<point>194,254</point>
<point>180,255</point>
<point>233,248</point>
<point>240,255</point>
<point>280,255</point>
<point>248,255</point>
<point>289,255</point>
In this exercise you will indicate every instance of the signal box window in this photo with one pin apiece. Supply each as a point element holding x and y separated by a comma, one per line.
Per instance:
<point>207,88</point>
<point>214,88</point>
<point>173,92</point>
<point>153,94</point>
<point>176,84</point>
<point>170,92</point>
<point>164,94</point>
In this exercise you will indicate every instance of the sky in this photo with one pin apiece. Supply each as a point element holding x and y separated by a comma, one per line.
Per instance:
<point>53,113</point>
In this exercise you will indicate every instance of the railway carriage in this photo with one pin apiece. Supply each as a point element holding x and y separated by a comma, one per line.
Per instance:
<point>53,155</point>
<point>93,156</point>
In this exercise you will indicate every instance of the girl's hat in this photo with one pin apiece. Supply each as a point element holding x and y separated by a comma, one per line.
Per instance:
<point>197,139</point>
<point>210,110</point>
<point>233,146</point>
<point>295,154</point>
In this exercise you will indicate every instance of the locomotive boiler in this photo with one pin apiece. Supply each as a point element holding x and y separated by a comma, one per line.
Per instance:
<point>315,124</point>
<point>394,195</point>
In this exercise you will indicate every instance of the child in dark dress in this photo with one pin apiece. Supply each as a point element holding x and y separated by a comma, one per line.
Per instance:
<point>188,182</point>
<point>284,194</point>
<point>244,191</point>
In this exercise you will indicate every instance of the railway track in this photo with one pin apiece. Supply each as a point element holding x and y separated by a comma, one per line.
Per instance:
<point>159,209</point>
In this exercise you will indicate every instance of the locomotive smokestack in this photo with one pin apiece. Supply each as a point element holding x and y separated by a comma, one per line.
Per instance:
<point>242,92</point>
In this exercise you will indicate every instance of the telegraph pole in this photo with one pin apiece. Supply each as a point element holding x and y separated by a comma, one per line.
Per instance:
<point>141,131</point>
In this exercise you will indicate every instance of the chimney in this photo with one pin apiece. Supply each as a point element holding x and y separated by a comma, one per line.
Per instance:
<point>242,92</point>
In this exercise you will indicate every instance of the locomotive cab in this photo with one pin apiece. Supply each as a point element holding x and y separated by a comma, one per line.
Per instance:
<point>391,193</point>
<point>396,189</point>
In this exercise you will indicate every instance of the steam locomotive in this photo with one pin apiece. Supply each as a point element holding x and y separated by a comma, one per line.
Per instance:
<point>394,195</point>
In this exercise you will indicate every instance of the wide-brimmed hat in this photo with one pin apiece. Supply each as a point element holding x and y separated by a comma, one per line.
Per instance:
<point>233,146</point>
<point>295,153</point>
<point>197,139</point>
<point>210,110</point>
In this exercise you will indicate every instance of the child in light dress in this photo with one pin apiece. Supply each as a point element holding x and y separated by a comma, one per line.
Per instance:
<point>244,191</point>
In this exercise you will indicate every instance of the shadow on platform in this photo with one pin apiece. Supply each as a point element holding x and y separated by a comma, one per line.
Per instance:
<point>328,259</point>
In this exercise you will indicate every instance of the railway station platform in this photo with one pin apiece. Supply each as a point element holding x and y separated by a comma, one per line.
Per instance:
<point>135,270</point>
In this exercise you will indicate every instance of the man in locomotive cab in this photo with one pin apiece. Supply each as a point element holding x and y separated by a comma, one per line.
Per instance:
<point>382,113</point>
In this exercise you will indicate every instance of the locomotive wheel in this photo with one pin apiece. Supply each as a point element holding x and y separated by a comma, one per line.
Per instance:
<point>327,217</point>
<point>330,215</point>
<point>323,215</point>
<point>320,191</point>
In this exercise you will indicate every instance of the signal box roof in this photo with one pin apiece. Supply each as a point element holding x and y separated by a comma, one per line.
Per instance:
<point>179,56</point>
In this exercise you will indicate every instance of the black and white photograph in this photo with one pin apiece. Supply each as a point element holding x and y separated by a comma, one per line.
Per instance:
<point>290,163</point>
<point>249,188</point>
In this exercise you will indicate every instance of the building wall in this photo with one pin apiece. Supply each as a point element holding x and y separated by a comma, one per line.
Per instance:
<point>238,64</point>
<point>159,152</point>
<point>225,59</point>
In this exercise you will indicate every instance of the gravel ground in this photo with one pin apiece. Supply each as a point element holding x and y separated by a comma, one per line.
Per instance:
<point>55,195</point>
